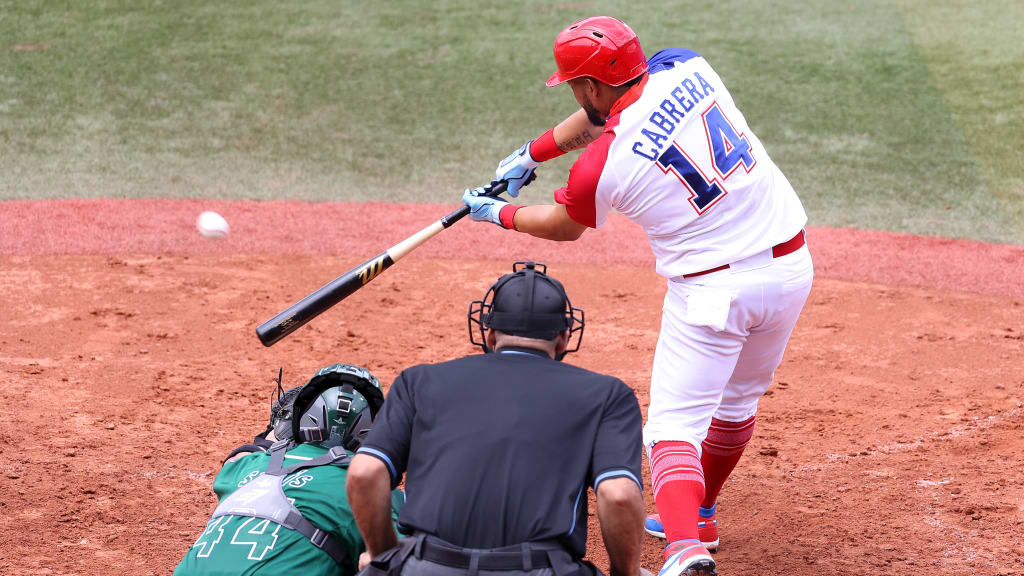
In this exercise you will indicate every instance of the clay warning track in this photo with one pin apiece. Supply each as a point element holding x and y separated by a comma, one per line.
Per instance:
<point>891,442</point>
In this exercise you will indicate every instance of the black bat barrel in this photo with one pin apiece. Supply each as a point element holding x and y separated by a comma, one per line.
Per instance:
<point>298,314</point>
<point>343,286</point>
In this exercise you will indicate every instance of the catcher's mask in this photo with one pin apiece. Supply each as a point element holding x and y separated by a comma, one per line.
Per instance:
<point>337,407</point>
<point>526,303</point>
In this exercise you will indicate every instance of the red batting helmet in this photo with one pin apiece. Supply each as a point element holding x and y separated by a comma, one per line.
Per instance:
<point>600,47</point>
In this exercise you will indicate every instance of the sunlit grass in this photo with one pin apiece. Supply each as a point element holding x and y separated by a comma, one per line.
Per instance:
<point>861,103</point>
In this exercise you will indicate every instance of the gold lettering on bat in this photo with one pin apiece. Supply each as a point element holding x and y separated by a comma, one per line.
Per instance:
<point>371,270</point>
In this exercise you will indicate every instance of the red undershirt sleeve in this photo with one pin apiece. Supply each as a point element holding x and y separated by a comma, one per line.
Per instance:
<point>544,148</point>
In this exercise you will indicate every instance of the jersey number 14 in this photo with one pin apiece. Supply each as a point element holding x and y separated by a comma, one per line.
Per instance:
<point>728,151</point>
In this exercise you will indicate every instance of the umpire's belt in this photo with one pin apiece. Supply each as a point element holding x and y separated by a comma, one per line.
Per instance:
<point>778,251</point>
<point>527,556</point>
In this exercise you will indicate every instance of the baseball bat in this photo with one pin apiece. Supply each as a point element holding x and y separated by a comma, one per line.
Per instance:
<point>298,314</point>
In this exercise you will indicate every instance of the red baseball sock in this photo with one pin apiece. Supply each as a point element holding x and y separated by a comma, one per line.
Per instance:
<point>678,487</point>
<point>720,452</point>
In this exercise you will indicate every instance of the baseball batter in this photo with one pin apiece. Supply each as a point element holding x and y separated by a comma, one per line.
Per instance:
<point>667,147</point>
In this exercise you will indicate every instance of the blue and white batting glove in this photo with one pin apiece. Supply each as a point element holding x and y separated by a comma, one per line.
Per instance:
<point>483,208</point>
<point>517,168</point>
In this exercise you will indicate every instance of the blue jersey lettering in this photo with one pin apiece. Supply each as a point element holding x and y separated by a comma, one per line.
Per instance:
<point>659,120</point>
<point>703,84</point>
<point>683,101</point>
<point>672,111</point>
<point>692,90</point>
<point>636,150</point>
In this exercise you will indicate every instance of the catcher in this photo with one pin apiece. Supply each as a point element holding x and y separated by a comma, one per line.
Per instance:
<point>282,498</point>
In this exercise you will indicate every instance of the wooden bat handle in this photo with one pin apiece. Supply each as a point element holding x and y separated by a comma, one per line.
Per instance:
<point>492,189</point>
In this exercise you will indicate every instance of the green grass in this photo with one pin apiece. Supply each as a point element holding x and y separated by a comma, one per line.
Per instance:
<point>885,114</point>
<point>975,58</point>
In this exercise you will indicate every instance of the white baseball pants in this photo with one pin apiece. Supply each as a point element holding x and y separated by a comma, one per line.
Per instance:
<point>722,336</point>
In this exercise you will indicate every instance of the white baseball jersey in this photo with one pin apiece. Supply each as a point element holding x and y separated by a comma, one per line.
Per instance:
<point>678,158</point>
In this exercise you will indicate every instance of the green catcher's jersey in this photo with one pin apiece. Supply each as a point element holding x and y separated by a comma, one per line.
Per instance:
<point>244,546</point>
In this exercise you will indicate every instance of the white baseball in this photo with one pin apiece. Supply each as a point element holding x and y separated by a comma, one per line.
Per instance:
<point>212,225</point>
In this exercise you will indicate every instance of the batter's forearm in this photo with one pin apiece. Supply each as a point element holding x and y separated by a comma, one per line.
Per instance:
<point>576,132</point>
<point>573,133</point>
<point>550,222</point>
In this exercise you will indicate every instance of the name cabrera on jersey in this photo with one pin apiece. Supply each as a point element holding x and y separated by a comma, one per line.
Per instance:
<point>678,158</point>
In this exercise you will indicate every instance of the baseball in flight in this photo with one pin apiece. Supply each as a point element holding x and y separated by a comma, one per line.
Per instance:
<point>212,225</point>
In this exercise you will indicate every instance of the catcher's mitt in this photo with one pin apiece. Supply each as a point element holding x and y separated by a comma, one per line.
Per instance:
<point>281,401</point>
<point>281,410</point>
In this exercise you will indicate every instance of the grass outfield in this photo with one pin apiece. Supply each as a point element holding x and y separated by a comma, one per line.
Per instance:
<point>898,115</point>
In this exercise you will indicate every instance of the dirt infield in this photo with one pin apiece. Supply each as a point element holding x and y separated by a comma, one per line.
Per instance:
<point>891,443</point>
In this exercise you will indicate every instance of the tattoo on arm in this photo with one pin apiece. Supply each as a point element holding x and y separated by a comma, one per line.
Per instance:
<point>577,141</point>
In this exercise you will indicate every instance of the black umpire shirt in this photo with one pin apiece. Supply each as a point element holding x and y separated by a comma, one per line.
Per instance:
<point>499,449</point>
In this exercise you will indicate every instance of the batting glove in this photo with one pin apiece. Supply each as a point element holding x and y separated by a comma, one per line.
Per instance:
<point>483,208</point>
<point>517,168</point>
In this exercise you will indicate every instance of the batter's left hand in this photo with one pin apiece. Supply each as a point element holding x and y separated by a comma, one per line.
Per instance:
<point>483,208</point>
<point>518,169</point>
<point>364,560</point>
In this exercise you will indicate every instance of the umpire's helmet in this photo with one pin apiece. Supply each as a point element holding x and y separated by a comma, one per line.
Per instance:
<point>526,303</point>
<point>337,407</point>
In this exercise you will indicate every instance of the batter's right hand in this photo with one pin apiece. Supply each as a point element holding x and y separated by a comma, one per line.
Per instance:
<point>517,168</point>
<point>483,208</point>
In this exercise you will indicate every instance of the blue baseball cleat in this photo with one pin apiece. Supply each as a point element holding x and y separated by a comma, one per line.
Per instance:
<point>707,528</point>
<point>652,525</point>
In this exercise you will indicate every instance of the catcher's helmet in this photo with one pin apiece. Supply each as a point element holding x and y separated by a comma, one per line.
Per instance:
<point>526,303</point>
<point>337,407</point>
<point>600,47</point>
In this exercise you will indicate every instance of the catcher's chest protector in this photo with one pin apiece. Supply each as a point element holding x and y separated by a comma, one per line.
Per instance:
<point>263,497</point>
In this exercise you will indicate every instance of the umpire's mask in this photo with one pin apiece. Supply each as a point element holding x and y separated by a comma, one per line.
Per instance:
<point>526,303</point>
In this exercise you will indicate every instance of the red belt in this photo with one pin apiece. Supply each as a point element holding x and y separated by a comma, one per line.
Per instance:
<point>778,251</point>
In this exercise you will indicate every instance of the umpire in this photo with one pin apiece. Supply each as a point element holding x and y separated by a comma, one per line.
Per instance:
<point>499,449</point>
